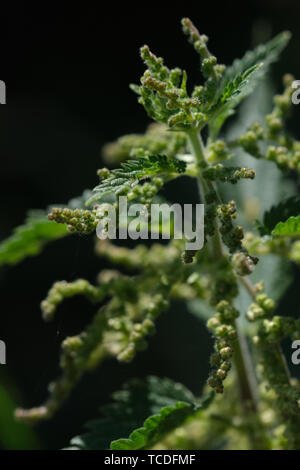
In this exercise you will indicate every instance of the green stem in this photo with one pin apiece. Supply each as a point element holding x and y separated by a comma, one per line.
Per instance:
<point>244,371</point>
<point>205,187</point>
<point>197,147</point>
<point>241,356</point>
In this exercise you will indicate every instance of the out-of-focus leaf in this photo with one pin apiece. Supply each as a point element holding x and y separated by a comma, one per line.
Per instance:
<point>30,238</point>
<point>289,228</point>
<point>13,435</point>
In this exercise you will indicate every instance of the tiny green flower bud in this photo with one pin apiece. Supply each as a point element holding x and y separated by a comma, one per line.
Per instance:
<point>226,353</point>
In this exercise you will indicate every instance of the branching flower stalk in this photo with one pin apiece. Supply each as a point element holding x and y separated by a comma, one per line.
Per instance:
<point>256,405</point>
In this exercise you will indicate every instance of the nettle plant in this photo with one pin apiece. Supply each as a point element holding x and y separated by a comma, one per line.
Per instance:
<point>234,282</point>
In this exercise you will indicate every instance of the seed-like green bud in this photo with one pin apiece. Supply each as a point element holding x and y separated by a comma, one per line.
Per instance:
<point>221,374</point>
<point>226,352</point>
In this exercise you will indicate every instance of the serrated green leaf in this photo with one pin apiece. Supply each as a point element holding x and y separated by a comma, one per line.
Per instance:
<point>279,213</point>
<point>264,54</point>
<point>237,85</point>
<point>161,404</point>
<point>132,172</point>
<point>155,427</point>
<point>289,228</point>
<point>234,90</point>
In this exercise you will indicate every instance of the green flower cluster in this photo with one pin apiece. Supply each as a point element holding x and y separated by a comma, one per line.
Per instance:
<point>232,237</point>
<point>224,285</point>
<point>218,150</point>
<point>164,94</point>
<point>222,325</point>
<point>63,290</point>
<point>77,220</point>
<point>272,366</point>
<point>263,307</point>
<point>155,141</point>
<point>211,70</point>
<point>282,149</point>
<point>275,121</point>
<point>227,174</point>
<point>136,338</point>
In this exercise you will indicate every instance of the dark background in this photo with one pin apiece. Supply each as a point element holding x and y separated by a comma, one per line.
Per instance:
<point>67,71</point>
